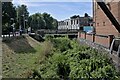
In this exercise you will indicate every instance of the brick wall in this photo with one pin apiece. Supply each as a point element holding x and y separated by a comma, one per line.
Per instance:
<point>99,39</point>
<point>103,25</point>
<point>102,41</point>
<point>119,11</point>
<point>89,37</point>
<point>83,35</point>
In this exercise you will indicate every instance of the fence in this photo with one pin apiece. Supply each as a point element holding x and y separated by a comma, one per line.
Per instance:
<point>104,40</point>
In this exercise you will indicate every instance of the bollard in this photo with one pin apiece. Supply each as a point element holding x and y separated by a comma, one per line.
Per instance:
<point>85,35</point>
<point>93,35</point>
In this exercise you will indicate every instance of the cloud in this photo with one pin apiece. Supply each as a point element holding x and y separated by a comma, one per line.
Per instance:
<point>53,0</point>
<point>59,10</point>
<point>34,3</point>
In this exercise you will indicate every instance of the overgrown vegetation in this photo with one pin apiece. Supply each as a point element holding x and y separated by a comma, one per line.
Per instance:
<point>59,58</point>
<point>69,60</point>
<point>21,55</point>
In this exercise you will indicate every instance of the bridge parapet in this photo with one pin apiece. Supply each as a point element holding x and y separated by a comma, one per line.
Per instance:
<point>43,32</point>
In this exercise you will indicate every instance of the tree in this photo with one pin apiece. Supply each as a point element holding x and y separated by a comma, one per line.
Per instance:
<point>22,15</point>
<point>75,16</point>
<point>48,20</point>
<point>8,17</point>
<point>86,15</point>
<point>55,24</point>
<point>36,21</point>
<point>42,21</point>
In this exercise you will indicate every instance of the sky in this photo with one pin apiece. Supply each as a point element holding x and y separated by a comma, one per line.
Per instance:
<point>60,10</point>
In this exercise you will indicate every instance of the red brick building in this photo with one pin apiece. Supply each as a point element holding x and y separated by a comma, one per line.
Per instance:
<point>103,26</point>
<point>106,17</point>
<point>107,27</point>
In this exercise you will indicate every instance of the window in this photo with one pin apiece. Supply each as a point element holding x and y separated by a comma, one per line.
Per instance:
<point>109,7</point>
<point>71,22</point>
<point>67,23</point>
<point>97,24</point>
<point>103,23</point>
<point>77,21</point>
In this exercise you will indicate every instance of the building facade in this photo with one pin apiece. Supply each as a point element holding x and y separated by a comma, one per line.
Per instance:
<point>74,23</point>
<point>103,25</point>
<point>106,19</point>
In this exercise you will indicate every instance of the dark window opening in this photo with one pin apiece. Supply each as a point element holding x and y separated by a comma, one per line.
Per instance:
<point>81,28</point>
<point>67,23</point>
<point>97,24</point>
<point>103,23</point>
<point>116,45</point>
<point>108,4</point>
<point>71,22</point>
<point>77,21</point>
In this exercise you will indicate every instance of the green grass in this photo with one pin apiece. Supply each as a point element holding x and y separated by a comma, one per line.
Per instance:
<point>21,64</point>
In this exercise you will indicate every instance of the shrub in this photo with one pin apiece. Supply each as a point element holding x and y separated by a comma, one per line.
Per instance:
<point>71,60</point>
<point>48,37</point>
<point>47,48</point>
<point>61,44</point>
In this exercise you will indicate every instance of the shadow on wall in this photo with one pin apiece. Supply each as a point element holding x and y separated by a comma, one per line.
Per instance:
<point>19,44</point>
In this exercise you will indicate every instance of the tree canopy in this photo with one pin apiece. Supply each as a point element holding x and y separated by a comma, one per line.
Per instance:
<point>75,16</point>
<point>8,16</point>
<point>86,15</point>
<point>42,21</point>
<point>22,15</point>
<point>12,14</point>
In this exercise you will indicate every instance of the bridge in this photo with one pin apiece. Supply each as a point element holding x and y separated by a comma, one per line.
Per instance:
<point>70,33</point>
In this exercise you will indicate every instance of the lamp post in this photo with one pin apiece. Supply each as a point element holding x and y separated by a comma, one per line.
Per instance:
<point>23,22</point>
<point>13,28</point>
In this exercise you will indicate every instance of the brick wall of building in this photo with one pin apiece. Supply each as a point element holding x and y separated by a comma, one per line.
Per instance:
<point>119,11</point>
<point>104,29</point>
<point>103,25</point>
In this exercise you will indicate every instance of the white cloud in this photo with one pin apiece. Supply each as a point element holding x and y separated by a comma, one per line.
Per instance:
<point>53,0</point>
<point>30,3</point>
<point>58,0</point>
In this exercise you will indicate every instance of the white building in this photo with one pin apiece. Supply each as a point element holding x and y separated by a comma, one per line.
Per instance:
<point>73,23</point>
